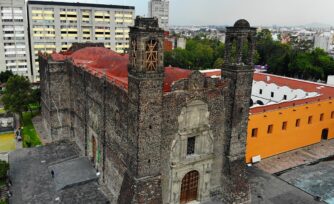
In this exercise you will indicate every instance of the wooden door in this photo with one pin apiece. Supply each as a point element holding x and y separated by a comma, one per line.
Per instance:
<point>189,187</point>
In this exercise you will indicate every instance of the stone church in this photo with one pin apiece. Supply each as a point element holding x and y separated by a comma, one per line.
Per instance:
<point>155,134</point>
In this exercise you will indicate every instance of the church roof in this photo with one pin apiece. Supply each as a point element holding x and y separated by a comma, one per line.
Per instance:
<point>102,61</point>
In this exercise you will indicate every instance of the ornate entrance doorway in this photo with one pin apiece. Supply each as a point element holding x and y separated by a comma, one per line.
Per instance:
<point>189,187</point>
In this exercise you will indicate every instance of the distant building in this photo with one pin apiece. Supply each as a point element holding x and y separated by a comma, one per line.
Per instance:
<point>172,42</point>
<point>285,38</point>
<point>14,52</point>
<point>330,80</point>
<point>286,114</point>
<point>302,40</point>
<point>55,26</point>
<point>180,43</point>
<point>160,10</point>
<point>323,41</point>
<point>168,43</point>
<point>7,122</point>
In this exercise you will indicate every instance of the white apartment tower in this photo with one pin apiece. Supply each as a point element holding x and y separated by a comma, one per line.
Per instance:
<point>14,49</point>
<point>54,26</point>
<point>160,10</point>
<point>323,41</point>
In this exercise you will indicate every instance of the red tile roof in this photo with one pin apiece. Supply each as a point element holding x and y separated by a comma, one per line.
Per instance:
<point>325,92</point>
<point>101,61</point>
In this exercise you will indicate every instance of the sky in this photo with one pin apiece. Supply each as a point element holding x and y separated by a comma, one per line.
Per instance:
<point>226,12</point>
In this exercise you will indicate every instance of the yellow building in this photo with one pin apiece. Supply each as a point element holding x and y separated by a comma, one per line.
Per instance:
<point>303,116</point>
<point>286,114</point>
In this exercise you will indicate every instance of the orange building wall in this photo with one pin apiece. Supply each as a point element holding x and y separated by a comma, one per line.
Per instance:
<point>279,140</point>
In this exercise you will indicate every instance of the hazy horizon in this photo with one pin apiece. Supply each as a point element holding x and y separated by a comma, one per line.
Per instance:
<point>226,12</point>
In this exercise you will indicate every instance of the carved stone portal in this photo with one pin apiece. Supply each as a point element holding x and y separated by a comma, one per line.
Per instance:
<point>194,130</point>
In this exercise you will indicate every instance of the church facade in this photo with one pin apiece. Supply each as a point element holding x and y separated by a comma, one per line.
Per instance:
<point>156,134</point>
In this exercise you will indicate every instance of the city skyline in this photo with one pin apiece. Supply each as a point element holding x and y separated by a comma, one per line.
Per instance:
<point>225,12</point>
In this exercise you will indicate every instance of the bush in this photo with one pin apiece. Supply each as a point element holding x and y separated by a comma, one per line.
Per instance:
<point>3,202</point>
<point>30,137</point>
<point>4,166</point>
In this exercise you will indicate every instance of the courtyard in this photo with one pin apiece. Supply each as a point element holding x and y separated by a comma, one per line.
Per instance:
<point>7,142</point>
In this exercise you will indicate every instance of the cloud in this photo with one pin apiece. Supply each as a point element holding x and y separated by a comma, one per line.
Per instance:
<point>226,12</point>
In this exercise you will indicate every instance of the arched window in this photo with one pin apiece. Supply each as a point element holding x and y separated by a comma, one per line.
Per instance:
<point>259,102</point>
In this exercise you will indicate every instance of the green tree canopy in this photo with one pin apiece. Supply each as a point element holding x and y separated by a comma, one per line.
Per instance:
<point>4,76</point>
<point>282,59</point>
<point>17,95</point>
<point>199,54</point>
<point>36,96</point>
<point>218,63</point>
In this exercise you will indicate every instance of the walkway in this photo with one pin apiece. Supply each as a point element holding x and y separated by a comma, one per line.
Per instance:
<point>316,179</point>
<point>305,155</point>
<point>38,124</point>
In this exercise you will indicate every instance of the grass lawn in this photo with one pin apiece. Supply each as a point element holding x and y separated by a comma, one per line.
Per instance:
<point>30,137</point>
<point>7,142</point>
<point>2,110</point>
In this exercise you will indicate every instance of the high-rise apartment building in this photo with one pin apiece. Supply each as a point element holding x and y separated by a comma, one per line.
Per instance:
<point>323,41</point>
<point>54,26</point>
<point>14,49</point>
<point>160,10</point>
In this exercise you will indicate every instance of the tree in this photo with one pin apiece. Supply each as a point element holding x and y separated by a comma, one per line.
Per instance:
<point>218,63</point>
<point>17,95</point>
<point>199,54</point>
<point>4,76</point>
<point>36,96</point>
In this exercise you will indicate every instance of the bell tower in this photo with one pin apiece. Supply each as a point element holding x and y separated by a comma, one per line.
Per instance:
<point>238,69</point>
<point>146,75</point>
<point>146,49</point>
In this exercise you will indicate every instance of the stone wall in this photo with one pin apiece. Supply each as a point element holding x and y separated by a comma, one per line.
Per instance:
<point>55,95</point>
<point>81,106</point>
